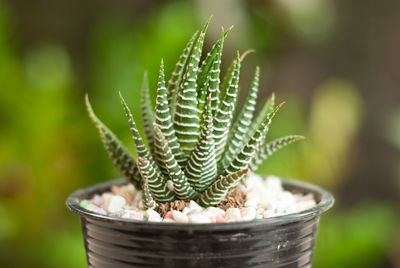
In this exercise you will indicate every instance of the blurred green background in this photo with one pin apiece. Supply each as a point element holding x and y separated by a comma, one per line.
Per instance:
<point>335,63</point>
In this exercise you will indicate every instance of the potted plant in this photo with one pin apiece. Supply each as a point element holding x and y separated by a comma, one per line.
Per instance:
<point>186,200</point>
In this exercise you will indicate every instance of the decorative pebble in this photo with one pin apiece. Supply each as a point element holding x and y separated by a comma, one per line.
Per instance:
<point>232,214</point>
<point>134,215</point>
<point>186,210</point>
<point>252,202</point>
<point>194,206</point>
<point>153,215</point>
<point>180,217</point>
<point>198,218</point>
<point>288,198</point>
<point>268,213</point>
<point>115,204</point>
<point>106,198</point>
<point>260,211</point>
<point>273,184</point>
<point>248,213</point>
<point>219,219</point>
<point>84,203</point>
<point>266,198</point>
<point>92,207</point>
<point>169,215</point>
<point>102,211</point>
<point>97,200</point>
<point>215,211</point>
<point>211,216</point>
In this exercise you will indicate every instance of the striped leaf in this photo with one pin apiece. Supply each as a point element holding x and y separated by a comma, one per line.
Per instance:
<point>270,148</point>
<point>147,114</point>
<point>210,71</point>
<point>203,92</point>
<point>241,127</point>
<point>164,120</point>
<point>182,189</point>
<point>117,152</point>
<point>174,83</point>
<point>186,115</point>
<point>157,183</point>
<point>201,169</point>
<point>213,56</point>
<point>265,110</point>
<point>228,75</point>
<point>244,157</point>
<point>218,190</point>
<point>223,119</point>
<point>148,201</point>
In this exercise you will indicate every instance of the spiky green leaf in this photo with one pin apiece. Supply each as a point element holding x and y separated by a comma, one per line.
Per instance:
<point>244,157</point>
<point>201,168</point>
<point>210,71</point>
<point>144,167</point>
<point>265,110</point>
<point>176,79</point>
<point>117,152</point>
<point>218,190</point>
<point>147,114</point>
<point>228,75</point>
<point>156,181</point>
<point>186,116</point>
<point>241,127</point>
<point>182,188</point>
<point>270,148</point>
<point>223,119</point>
<point>164,120</point>
<point>213,57</point>
<point>203,92</point>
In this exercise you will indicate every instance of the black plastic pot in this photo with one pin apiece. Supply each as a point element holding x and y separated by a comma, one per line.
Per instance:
<point>286,241</point>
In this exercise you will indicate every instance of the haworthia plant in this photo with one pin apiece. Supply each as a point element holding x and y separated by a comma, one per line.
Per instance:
<point>196,148</point>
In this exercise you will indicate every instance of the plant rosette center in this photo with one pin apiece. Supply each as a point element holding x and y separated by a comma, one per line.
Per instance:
<point>256,198</point>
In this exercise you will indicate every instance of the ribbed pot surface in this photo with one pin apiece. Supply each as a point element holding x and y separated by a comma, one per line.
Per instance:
<point>286,241</point>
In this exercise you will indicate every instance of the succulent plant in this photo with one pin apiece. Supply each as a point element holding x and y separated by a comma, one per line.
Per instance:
<point>196,148</point>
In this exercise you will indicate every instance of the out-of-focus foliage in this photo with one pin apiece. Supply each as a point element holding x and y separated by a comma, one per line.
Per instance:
<point>360,237</point>
<point>335,118</point>
<point>48,147</point>
<point>312,20</point>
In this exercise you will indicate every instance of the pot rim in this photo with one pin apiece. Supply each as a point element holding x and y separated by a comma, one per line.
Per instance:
<point>326,201</point>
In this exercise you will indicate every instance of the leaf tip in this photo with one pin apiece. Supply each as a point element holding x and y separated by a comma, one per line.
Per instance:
<point>280,105</point>
<point>247,52</point>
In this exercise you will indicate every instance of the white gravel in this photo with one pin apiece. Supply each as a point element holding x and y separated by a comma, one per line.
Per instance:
<point>266,198</point>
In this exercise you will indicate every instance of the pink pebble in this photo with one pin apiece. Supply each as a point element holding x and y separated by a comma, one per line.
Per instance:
<point>219,219</point>
<point>213,218</point>
<point>97,200</point>
<point>169,215</point>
